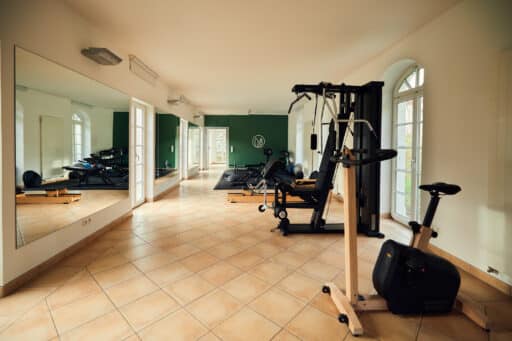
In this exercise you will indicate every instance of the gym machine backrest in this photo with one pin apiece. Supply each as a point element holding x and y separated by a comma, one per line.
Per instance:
<point>327,166</point>
<point>318,194</point>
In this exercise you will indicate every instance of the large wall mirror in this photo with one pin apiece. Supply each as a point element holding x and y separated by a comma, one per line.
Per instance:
<point>167,143</point>
<point>71,147</point>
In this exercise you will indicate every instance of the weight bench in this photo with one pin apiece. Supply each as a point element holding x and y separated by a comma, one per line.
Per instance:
<point>84,173</point>
<point>48,196</point>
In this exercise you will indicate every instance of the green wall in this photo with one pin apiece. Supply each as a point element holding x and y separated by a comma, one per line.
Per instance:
<point>166,136</point>
<point>121,133</point>
<point>243,128</point>
<point>121,130</point>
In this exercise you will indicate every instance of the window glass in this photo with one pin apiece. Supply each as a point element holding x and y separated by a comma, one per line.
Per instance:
<point>194,147</point>
<point>405,112</point>
<point>77,137</point>
<point>408,136</point>
<point>411,79</point>
<point>421,75</point>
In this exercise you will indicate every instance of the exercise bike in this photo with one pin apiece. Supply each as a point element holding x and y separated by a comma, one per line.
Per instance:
<point>407,278</point>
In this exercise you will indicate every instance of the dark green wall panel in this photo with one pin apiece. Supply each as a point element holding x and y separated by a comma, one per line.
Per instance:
<point>166,136</point>
<point>243,128</point>
<point>121,130</point>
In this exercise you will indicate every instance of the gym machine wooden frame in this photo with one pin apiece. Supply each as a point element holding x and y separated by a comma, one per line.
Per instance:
<point>351,301</point>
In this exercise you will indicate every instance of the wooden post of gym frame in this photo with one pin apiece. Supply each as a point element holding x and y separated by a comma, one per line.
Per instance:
<point>350,302</point>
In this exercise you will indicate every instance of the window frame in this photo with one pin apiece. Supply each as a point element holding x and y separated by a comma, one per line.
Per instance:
<point>416,95</point>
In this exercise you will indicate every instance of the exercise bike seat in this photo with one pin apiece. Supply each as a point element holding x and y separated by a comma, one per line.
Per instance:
<point>441,188</point>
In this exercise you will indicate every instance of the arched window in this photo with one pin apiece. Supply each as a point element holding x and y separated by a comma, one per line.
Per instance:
<point>407,140</point>
<point>78,136</point>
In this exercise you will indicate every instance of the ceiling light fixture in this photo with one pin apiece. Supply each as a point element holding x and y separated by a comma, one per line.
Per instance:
<point>102,55</point>
<point>141,70</point>
<point>177,101</point>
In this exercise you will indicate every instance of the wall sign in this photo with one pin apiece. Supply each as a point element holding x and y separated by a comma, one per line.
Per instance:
<point>258,141</point>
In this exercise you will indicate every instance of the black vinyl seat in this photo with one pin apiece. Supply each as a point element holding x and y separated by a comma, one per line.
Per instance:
<point>441,188</point>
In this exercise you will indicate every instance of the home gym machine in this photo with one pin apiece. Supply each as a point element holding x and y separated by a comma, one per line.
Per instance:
<point>346,105</point>
<point>408,279</point>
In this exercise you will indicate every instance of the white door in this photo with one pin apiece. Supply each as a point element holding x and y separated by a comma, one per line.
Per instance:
<point>183,149</point>
<point>139,156</point>
<point>407,128</point>
<point>217,145</point>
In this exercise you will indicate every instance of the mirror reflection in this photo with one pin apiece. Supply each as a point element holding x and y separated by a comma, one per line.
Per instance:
<point>194,145</point>
<point>71,147</point>
<point>167,139</point>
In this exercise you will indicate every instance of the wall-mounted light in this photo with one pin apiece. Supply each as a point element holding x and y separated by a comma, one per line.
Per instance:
<point>102,55</point>
<point>177,101</point>
<point>142,71</point>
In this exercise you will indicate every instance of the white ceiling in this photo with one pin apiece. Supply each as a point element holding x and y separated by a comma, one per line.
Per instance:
<point>228,56</point>
<point>35,72</point>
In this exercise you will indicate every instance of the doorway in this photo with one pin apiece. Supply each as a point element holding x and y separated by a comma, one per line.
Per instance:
<point>183,159</point>
<point>217,146</point>
<point>138,123</point>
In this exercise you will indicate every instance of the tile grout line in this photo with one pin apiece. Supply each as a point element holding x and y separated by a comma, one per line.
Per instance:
<point>112,302</point>
<point>419,328</point>
<point>51,316</point>
<point>21,314</point>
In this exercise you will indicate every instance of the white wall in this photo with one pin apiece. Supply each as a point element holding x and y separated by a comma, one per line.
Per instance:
<point>462,52</point>
<point>102,121</point>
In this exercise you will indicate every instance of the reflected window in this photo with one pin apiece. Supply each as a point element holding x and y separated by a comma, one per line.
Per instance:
<point>194,147</point>
<point>78,137</point>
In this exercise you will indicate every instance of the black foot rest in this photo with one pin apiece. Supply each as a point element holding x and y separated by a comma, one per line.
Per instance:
<point>380,155</point>
<point>441,188</point>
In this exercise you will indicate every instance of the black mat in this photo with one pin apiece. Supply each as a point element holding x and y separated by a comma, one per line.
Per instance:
<point>238,178</point>
<point>95,182</point>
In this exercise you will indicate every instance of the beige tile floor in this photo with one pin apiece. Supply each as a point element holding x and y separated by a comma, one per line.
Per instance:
<point>193,267</point>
